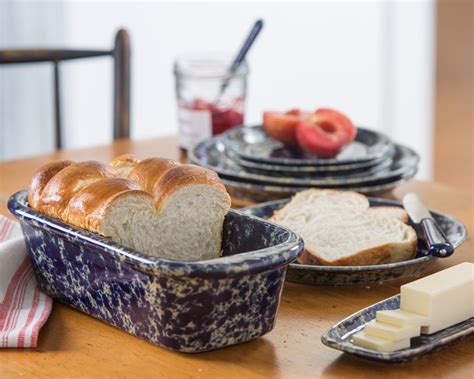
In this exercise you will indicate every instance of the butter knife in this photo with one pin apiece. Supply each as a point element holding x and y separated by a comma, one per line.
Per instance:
<point>438,244</point>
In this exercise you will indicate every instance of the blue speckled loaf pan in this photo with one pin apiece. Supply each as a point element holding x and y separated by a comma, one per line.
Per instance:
<point>184,306</point>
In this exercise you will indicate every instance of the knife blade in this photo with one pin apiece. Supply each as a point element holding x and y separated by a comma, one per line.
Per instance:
<point>438,244</point>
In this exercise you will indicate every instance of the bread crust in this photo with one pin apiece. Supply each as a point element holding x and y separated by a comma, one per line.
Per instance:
<point>181,176</point>
<point>368,257</point>
<point>81,194</point>
<point>148,171</point>
<point>67,182</point>
<point>88,207</point>
<point>41,178</point>
<point>124,163</point>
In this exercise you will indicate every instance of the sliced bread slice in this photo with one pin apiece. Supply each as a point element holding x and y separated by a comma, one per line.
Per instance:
<point>391,212</point>
<point>340,229</point>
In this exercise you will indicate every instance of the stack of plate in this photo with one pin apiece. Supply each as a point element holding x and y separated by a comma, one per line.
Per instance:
<point>255,167</point>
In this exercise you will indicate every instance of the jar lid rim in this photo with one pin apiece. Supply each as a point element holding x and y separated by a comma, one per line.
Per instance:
<point>207,66</point>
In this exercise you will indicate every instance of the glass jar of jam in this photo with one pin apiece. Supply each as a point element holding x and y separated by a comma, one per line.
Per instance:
<point>203,109</point>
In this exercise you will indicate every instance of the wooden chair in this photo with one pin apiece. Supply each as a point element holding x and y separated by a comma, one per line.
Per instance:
<point>121,55</point>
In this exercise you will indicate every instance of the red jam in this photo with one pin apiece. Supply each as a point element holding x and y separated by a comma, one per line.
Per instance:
<point>223,118</point>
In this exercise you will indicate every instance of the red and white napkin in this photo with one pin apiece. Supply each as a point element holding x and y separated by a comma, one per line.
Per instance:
<point>23,307</point>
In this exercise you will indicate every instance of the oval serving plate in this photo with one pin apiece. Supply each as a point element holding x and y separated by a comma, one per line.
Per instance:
<point>253,144</point>
<point>340,335</point>
<point>454,230</point>
<point>212,154</point>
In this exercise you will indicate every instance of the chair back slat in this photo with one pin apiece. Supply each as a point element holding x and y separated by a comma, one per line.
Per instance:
<point>47,55</point>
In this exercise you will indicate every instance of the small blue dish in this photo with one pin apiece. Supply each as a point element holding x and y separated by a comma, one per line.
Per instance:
<point>340,335</point>
<point>454,230</point>
<point>184,306</point>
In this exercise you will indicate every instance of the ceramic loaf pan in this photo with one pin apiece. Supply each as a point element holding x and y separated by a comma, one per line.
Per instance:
<point>184,306</point>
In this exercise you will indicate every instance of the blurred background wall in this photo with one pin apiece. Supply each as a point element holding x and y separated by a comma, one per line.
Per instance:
<point>373,60</point>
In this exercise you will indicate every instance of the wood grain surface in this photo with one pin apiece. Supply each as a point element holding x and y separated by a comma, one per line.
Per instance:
<point>72,344</point>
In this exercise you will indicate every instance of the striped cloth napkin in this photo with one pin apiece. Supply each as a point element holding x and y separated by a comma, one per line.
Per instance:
<point>23,307</point>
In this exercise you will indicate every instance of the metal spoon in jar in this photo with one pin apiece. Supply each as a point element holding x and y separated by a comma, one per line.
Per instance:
<point>257,27</point>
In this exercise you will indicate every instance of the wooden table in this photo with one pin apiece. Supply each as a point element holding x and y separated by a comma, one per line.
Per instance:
<point>73,344</point>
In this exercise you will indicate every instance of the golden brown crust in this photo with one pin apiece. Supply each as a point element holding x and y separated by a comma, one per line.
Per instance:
<point>87,208</point>
<point>124,163</point>
<point>69,181</point>
<point>373,256</point>
<point>83,193</point>
<point>181,176</point>
<point>124,159</point>
<point>41,178</point>
<point>149,171</point>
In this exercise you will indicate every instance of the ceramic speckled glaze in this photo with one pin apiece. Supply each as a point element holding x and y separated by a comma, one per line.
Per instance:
<point>255,192</point>
<point>253,144</point>
<point>340,335</point>
<point>454,230</point>
<point>212,154</point>
<point>334,170</point>
<point>184,306</point>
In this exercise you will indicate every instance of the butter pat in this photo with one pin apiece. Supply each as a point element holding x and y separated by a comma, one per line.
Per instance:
<point>446,297</point>
<point>401,318</point>
<point>378,344</point>
<point>391,332</point>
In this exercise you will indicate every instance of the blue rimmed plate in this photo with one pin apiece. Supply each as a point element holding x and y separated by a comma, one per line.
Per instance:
<point>256,192</point>
<point>253,144</point>
<point>334,170</point>
<point>213,154</point>
<point>340,335</point>
<point>454,230</point>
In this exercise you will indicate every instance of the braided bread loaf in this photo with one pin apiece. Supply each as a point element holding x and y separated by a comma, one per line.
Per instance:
<point>156,206</point>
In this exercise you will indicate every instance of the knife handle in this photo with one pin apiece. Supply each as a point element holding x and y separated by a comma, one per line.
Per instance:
<point>438,244</point>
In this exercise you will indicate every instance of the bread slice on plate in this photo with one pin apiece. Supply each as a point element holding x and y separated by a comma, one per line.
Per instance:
<point>340,228</point>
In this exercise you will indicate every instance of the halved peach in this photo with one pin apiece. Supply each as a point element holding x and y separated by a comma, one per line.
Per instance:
<point>331,116</point>
<point>282,126</point>
<point>324,139</point>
